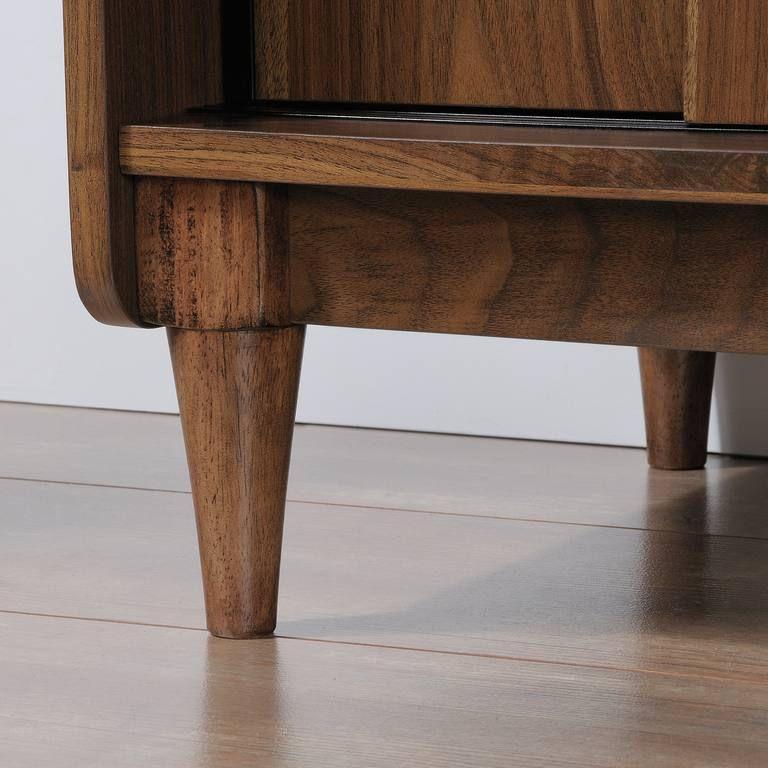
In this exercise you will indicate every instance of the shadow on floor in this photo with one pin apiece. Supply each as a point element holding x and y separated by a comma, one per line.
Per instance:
<point>687,582</point>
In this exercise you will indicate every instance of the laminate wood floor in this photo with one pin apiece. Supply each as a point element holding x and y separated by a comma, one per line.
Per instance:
<point>445,601</point>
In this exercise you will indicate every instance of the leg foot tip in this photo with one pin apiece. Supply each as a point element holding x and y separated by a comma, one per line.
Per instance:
<point>683,466</point>
<point>225,634</point>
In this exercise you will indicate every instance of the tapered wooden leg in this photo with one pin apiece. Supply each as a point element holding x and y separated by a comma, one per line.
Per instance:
<point>237,396</point>
<point>677,394</point>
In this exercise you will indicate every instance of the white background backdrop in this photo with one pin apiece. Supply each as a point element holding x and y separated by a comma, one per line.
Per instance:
<point>52,352</point>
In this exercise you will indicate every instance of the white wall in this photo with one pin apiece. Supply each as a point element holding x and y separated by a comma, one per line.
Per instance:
<point>52,352</point>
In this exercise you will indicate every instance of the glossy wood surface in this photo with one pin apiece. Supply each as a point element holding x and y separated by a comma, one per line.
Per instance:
<point>175,698</point>
<point>125,61</point>
<point>677,394</point>
<point>727,70</point>
<point>210,255</point>
<point>623,647</point>
<point>449,474</point>
<point>639,274</point>
<point>593,595</point>
<point>551,54</point>
<point>237,396</point>
<point>681,166</point>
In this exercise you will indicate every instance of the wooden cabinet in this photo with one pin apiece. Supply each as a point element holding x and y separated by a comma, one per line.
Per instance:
<point>196,207</point>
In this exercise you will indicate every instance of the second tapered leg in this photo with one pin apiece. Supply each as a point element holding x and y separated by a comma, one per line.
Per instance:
<point>677,395</point>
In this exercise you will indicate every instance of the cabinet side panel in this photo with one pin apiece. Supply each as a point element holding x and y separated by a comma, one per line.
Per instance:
<point>126,61</point>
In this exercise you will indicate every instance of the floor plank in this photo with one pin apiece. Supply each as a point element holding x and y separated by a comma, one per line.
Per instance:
<point>514,603</point>
<point>462,475</point>
<point>78,694</point>
<point>675,603</point>
<point>82,445</point>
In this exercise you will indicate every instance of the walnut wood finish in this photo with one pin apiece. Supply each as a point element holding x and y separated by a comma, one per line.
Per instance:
<point>126,60</point>
<point>74,688</point>
<point>641,274</point>
<point>227,259</point>
<point>677,394</point>
<point>682,166</point>
<point>593,485</point>
<point>548,54</point>
<point>237,396</point>
<point>210,254</point>
<point>727,69</point>
<point>647,646</point>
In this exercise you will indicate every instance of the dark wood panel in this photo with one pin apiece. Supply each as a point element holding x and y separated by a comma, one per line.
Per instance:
<point>548,54</point>
<point>727,73</point>
<point>642,274</point>
<point>692,166</point>
<point>125,61</point>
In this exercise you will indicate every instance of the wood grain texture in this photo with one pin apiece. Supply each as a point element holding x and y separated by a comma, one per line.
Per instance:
<point>684,166</point>
<point>727,68</point>
<point>125,61</point>
<point>210,255</point>
<point>551,54</point>
<point>639,274</point>
<point>194,701</point>
<point>680,601</point>
<point>677,395</point>
<point>237,397</point>
<point>452,474</point>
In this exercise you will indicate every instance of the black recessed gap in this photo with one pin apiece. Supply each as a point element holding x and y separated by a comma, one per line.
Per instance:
<point>237,51</point>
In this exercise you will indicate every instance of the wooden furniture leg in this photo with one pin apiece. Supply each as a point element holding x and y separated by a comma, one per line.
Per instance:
<point>237,396</point>
<point>677,394</point>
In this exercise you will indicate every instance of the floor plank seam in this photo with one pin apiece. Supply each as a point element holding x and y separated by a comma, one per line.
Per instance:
<point>96,619</point>
<point>77,484</point>
<point>529,520</point>
<point>410,510</point>
<point>526,660</point>
<point>403,648</point>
